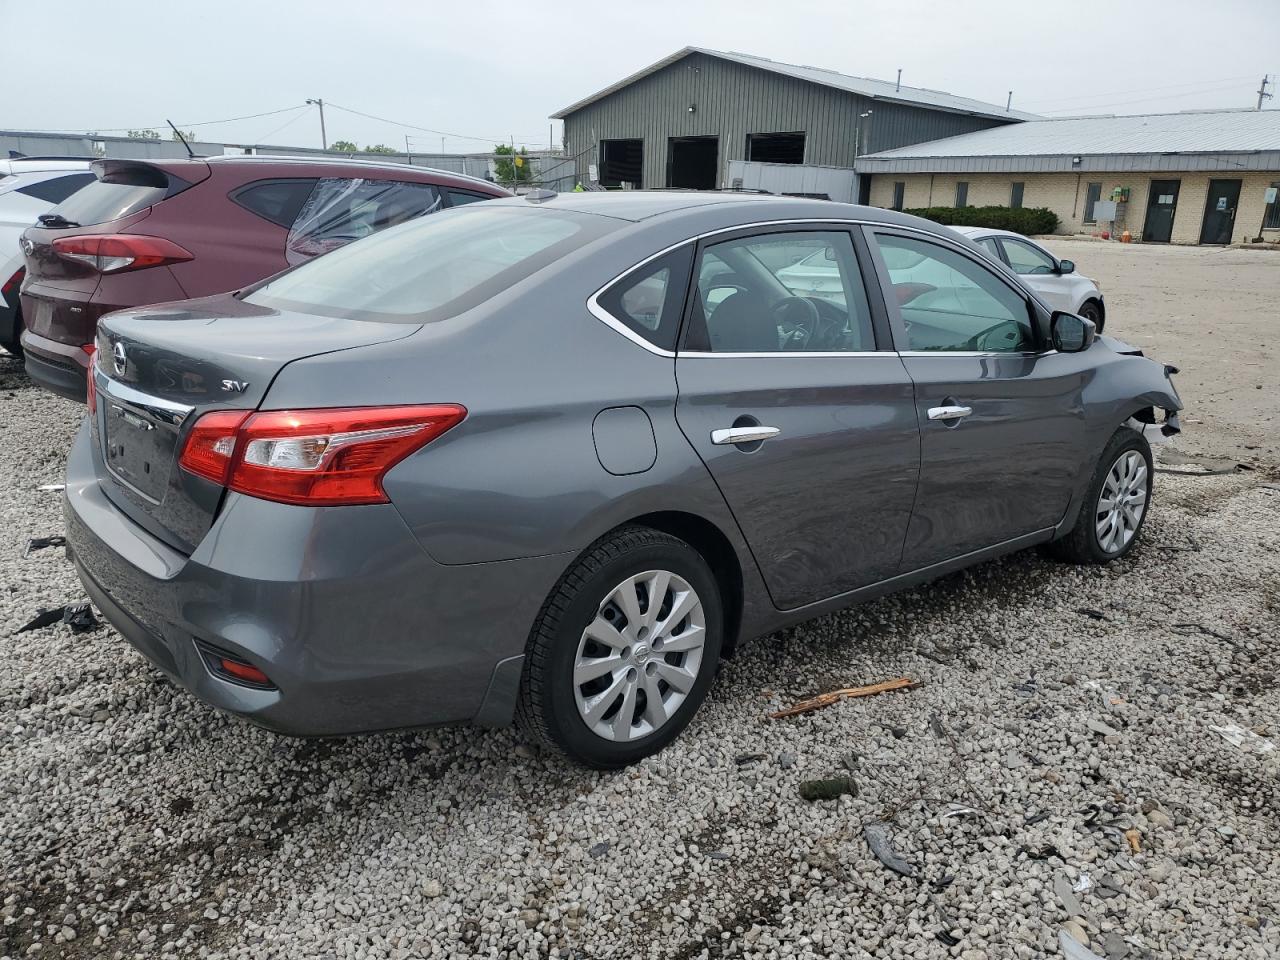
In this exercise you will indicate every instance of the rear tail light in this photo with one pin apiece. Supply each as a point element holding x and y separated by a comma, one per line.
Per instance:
<point>14,282</point>
<point>117,252</point>
<point>90,388</point>
<point>325,457</point>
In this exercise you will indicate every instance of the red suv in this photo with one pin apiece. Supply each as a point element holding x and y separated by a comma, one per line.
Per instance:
<point>152,231</point>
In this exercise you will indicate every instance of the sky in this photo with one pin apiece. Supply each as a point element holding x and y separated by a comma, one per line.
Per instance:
<point>480,72</point>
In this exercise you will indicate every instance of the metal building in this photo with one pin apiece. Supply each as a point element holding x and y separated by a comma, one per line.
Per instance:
<point>681,121</point>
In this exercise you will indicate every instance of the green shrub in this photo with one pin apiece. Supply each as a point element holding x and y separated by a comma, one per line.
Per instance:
<point>1018,219</point>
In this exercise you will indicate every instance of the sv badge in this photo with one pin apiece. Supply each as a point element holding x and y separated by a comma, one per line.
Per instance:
<point>235,386</point>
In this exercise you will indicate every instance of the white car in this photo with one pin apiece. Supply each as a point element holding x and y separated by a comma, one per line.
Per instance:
<point>1056,281</point>
<point>28,188</point>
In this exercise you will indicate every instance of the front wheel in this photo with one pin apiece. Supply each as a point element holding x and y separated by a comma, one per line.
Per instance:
<point>1092,312</point>
<point>624,650</point>
<point>1115,505</point>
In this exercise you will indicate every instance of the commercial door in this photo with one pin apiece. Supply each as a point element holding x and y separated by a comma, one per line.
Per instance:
<point>692,162</point>
<point>1220,211</point>
<point>808,428</point>
<point>1162,202</point>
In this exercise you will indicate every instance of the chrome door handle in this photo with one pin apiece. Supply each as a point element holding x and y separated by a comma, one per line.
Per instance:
<point>731,435</point>
<point>948,414</point>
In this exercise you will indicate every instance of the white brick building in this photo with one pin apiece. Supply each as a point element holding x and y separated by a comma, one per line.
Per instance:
<point>1197,177</point>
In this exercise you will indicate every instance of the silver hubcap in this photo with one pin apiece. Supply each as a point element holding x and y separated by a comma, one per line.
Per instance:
<point>1122,502</point>
<point>640,656</point>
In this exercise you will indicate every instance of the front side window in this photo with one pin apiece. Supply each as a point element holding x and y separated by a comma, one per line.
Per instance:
<point>949,302</point>
<point>962,193</point>
<point>340,210</point>
<point>989,244</point>
<point>434,267</point>
<point>648,300</point>
<point>458,198</point>
<point>1028,260</point>
<point>781,292</point>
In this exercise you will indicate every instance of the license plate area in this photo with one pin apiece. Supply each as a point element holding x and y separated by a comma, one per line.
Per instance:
<point>139,438</point>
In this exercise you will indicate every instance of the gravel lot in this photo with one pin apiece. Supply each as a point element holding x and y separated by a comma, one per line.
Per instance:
<point>1071,711</point>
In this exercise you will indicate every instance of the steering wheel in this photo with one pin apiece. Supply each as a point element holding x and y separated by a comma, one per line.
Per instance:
<point>978,340</point>
<point>799,320</point>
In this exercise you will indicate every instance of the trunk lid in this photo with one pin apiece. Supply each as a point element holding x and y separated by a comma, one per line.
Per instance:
<point>160,368</point>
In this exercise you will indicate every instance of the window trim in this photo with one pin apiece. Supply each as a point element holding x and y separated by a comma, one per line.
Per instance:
<point>872,273</point>
<point>895,312</point>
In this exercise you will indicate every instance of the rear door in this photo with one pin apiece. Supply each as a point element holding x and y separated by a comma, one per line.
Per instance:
<point>794,400</point>
<point>1001,420</point>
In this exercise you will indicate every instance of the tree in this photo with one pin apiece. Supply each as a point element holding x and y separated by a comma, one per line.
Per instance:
<point>189,134</point>
<point>514,170</point>
<point>344,146</point>
<point>143,135</point>
<point>380,148</point>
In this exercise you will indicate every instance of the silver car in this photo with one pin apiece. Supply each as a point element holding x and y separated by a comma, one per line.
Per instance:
<point>552,458</point>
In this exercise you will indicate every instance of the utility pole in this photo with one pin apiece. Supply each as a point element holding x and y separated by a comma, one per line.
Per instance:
<point>408,154</point>
<point>1262,91</point>
<point>899,84</point>
<point>324,139</point>
<point>1008,103</point>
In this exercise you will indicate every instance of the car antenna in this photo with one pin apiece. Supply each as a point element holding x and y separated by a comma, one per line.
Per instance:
<point>178,133</point>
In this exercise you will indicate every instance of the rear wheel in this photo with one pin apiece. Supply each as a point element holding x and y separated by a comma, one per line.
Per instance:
<point>14,346</point>
<point>624,649</point>
<point>1091,310</point>
<point>1115,505</point>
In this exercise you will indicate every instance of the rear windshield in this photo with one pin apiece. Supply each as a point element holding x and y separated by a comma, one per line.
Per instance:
<point>431,268</point>
<point>100,201</point>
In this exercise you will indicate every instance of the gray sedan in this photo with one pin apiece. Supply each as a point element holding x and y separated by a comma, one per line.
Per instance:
<point>551,458</point>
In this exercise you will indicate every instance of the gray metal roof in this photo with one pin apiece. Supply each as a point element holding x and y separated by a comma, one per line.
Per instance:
<point>1206,135</point>
<point>863,86</point>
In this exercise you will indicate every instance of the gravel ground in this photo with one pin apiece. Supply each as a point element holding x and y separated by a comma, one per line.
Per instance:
<point>1070,711</point>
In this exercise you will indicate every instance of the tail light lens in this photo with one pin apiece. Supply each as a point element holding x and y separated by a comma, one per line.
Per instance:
<point>90,388</point>
<point>323,457</point>
<point>14,282</point>
<point>118,252</point>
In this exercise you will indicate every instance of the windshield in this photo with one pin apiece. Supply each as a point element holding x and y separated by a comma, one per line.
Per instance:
<point>431,268</point>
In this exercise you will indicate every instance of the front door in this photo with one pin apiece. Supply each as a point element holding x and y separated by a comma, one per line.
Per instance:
<point>1220,211</point>
<point>1162,202</point>
<point>804,417</point>
<point>1002,429</point>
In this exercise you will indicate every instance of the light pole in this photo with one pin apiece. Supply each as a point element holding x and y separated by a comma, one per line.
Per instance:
<point>324,140</point>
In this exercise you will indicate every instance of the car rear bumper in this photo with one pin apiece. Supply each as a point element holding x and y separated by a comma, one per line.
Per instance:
<point>56,366</point>
<point>358,629</point>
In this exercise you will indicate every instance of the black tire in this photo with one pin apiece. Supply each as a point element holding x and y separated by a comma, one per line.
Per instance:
<point>547,710</point>
<point>1092,310</point>
<point>1082,544</point>
<point>15,346</point>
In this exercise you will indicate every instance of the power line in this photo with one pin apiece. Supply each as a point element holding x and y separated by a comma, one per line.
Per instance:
<point>148,126</point>
<point>288,123</point>
<point>1167,86</point>
<point>1121,103</point>
<point>438,133</point>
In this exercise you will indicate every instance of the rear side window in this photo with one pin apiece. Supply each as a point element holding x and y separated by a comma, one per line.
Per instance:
<point>340,210</point>
<point>118,193</point>
<point>277,201</point>
<point>432,268</point>
<point>459,197</point>
<point>648,301</point>
<point>57,189</point>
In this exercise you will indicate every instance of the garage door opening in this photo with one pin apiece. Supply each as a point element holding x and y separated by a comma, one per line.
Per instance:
<point>622,161</point>
<point>691,162</point>
<point>775,147</point>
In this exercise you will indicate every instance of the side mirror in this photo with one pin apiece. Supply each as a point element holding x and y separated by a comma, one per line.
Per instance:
<point>1066,266</point>
<point>1071,334</point>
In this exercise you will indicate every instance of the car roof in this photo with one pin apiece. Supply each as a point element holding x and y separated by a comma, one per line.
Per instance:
<point>641,205</point>
<point>383,166</point>
<point>41,165</point>
<point>974,233</point>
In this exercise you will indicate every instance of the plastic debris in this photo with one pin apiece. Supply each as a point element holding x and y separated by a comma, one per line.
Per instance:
<point>960,810</point>
<point>52,487</point>
<point>39,543</point>
<point>599,850</point>
<point>1244,738</point>
<point>1083,884</point>
<point>1092,614</point>
<point>828,789</point>
<point>1073,949</point>
<point>78,616</point>
<point>745,759</point>
<point>45,618</point>
<point>879,838</point>
<point>835,696</point>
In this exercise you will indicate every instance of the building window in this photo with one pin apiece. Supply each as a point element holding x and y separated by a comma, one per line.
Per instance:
<point>1271,219</point>
<point>1092,194</point>
<point>622,161</point>
<point>962,193</point>
<point>899,194</point>
<point>1015,194</point>
<point>776,147</point>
